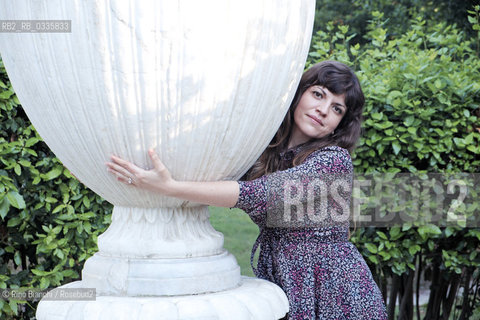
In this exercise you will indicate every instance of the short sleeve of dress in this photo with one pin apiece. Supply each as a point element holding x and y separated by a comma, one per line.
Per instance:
<point>252,195</point>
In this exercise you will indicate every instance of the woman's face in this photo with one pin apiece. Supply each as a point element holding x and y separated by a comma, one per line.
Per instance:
<point>317,115</point>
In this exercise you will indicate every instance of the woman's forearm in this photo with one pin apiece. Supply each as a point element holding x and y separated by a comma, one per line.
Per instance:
<point>214,193</point>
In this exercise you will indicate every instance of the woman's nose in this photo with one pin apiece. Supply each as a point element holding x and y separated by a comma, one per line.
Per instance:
<point>322,108</point>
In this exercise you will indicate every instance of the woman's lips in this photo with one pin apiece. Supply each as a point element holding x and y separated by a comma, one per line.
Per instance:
<point>320,122</point>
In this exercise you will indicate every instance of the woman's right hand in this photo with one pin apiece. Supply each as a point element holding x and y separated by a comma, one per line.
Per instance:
<point>158,179</point>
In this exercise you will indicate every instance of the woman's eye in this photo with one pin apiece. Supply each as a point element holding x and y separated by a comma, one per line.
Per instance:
<point>338,109</point>
<point>317,94</point>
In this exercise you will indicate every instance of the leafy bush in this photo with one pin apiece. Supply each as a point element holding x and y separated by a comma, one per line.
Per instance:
<point>422,115</point>
<point>49,221</point>
<point>398,14</point>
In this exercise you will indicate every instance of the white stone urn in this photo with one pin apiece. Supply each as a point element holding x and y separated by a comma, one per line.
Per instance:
<point>205,83</point>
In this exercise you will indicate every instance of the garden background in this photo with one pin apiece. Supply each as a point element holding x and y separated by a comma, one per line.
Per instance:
<point>419,65</point>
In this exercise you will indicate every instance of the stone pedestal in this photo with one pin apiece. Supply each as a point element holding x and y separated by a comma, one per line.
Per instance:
<point>160,252</point>
<point>165,263</point>
<point>251,299</point>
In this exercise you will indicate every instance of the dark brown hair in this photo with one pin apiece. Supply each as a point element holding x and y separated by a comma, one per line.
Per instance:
<point>338,79</point>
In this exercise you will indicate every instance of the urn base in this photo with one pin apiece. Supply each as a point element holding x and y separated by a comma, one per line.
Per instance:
<point>121,276</point>
<point>252,299</point>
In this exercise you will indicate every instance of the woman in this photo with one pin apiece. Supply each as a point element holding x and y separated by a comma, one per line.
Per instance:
<point>298,192</point>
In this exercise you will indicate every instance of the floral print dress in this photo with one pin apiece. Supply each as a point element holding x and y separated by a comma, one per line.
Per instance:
<point>322,273</point>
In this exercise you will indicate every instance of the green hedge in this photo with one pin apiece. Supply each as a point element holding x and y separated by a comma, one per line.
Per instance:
<point>422,114</point>
<point>49,221</point>
<point>398,14</point>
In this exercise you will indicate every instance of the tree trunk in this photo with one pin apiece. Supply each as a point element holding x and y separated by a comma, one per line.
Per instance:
<point>452,294</point>
<point>406,304</point>
<point>433,289</point>
<point>466,310</point>
<point>393,296</point>
<point>419,274</point>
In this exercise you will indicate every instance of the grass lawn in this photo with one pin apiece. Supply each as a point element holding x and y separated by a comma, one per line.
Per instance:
<point>239,232</point>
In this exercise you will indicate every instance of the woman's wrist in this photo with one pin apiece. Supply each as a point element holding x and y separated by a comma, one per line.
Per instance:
<point>172,189</point>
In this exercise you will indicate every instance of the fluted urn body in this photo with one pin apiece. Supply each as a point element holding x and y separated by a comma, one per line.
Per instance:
<point>204,83</point>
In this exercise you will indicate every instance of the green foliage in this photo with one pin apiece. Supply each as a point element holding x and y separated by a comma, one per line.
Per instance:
<point>398,14</point>
<point>49,222</point>
<point>422,114</point>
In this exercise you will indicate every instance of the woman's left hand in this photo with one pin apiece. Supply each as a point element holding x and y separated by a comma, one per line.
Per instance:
<point>157,179</point>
